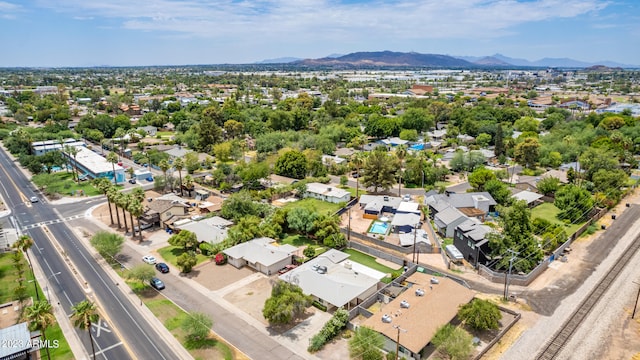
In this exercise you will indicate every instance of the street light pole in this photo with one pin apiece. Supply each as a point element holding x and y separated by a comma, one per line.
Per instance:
<point>349,227</point>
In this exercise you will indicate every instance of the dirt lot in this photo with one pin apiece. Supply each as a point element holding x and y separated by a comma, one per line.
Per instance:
<point>251,298</point>
<point>216,277</point>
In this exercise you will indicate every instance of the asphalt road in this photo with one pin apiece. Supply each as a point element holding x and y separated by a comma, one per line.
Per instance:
<point>123,333</point>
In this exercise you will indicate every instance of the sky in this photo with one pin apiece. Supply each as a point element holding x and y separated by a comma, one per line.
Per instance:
<point>78,33</point>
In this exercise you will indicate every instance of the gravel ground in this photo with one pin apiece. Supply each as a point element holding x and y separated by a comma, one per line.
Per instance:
<point>532,340</point>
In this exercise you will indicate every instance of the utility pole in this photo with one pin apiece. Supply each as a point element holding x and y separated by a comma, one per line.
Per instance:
<point>506,280</point>
<point>349,226</point>
<point>398,340</point>
<point>415,231</point>
<point>636,304</point>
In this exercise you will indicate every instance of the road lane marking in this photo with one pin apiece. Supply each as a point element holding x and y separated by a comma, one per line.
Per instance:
<point>101,352</point>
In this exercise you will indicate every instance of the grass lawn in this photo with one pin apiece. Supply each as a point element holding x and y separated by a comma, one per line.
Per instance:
<point>352,190</point>
<point>170,254</point>
<point>297,240</point>
<point>8,282</point>
<point>549,212</point>
<point>314,204</point>
<point>62,183</point>
<point>172,316</point>
<point>369,261</point>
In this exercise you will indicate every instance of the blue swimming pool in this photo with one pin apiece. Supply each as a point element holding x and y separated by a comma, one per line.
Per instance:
<point>379,227</point>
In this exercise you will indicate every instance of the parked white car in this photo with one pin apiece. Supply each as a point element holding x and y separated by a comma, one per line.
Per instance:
<point>149,259</point>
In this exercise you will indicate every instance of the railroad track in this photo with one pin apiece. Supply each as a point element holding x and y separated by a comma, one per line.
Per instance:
<point>560,338</point>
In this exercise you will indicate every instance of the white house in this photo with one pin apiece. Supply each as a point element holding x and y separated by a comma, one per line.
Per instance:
<point>326,193</point>
<point>261,254</point>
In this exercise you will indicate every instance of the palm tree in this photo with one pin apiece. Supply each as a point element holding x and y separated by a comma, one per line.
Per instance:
<point>164,166</point>
<point>104,185</point>
<point>122,200</point>
<point>357,161</point>
<point>188,184</point>
<point>120,133</point>
<point>113,159</point>
<point>136,209</point>
<point>131,201</point>
<point>40,318</point>
<point>179,164</point>
<point>112,195</point>
<point>24,243</point>
<point>84,314</point>
<point>401,153</point>
<point>73,151</point>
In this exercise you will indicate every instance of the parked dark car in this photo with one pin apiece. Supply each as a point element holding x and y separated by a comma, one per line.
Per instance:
<point>162,267</point>
<point>156,283</point>
<point>132,181</point>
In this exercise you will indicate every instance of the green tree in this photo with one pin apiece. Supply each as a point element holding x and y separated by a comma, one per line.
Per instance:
<point>186,261</point>
<point>453,342</point>
<point>499,191</point>
<point>548,185</point>
<point>366,344</point>
<point>574,203</point>
<point>164,166</point>
<point>185,239</point>
<point>527,152</point>
<point>301,219</point>
<point>498,141</point>
<point>418,119</point>
<point>83,315</point>
<point>516,235</point>
<point>40,317</point>
<point>292,164</point>
<point>112,197</point>
<point>107,244</point>
<point>479,177</point>
<point>142,273</point>
<point>287,302</point>
<point>401,153</point>
<point>357,162</point>
<point>240,204</point>
<point>380,171</point>
<point>73,151</point>
<point>480,314</point>
<point>197,327</point>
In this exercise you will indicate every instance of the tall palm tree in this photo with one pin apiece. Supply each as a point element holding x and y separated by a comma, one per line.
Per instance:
<point>401,153</point>
<point>112,194</point>
<point>188,184</point>
<point>179,165</point>
<point>164,166</point>
<point>136,209</point>
<point>357,161</point>
<point>84,314</point>
<point>120,133</point>
<point>73,152</point>
<point>104,185</point>
<point>24,243</point>
<point>40,318</point>
<point>113,159</point>
<point>122,200</point>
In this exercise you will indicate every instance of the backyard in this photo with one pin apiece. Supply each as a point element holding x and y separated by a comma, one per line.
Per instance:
<point>369,261</point>
<point>549,212</point>
<point>316,205</point>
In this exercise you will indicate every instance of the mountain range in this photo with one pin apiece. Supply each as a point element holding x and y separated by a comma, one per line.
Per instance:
<point>413,59</point>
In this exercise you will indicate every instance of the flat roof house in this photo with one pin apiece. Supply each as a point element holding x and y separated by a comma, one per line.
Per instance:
<point>261,254</point>
<point>18,341</point>
<point>43,147</point>
<point>374,205</point>
<point>94,166</point>
<point>420,311</point>
<point>326,193</point>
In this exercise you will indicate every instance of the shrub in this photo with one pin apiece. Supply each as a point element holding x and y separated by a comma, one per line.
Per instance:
<point>330,330</point>
<point>221,259</point>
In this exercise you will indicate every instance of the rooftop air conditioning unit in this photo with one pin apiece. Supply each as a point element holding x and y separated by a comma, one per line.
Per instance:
<point>348,265</point>
<point>435,281</point>
<point>419,292</point>
<point>404,304</point>
<point>386,318</point>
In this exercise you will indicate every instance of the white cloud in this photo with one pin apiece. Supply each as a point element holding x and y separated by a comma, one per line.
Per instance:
<point>329,18</point>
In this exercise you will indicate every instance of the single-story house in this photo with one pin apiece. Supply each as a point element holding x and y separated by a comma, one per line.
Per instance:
<point>470,239</point>
<point>328,160</point>
<point>261,254</point>
<point>420,310</point>
<point>177,152</point>
<point>473,204</point>
<point>405,222</point>
<point>212,230</point>
<point>374,205</point>
<point>334,281</point>
<point>326,193</point>
<point>211,204</point>
<point>531,198</point>
<point>142,174</point>
<point>150,130</point>
<point>19,342</point>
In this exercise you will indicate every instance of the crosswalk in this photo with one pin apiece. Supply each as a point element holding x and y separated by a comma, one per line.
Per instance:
<point>56,221</point>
